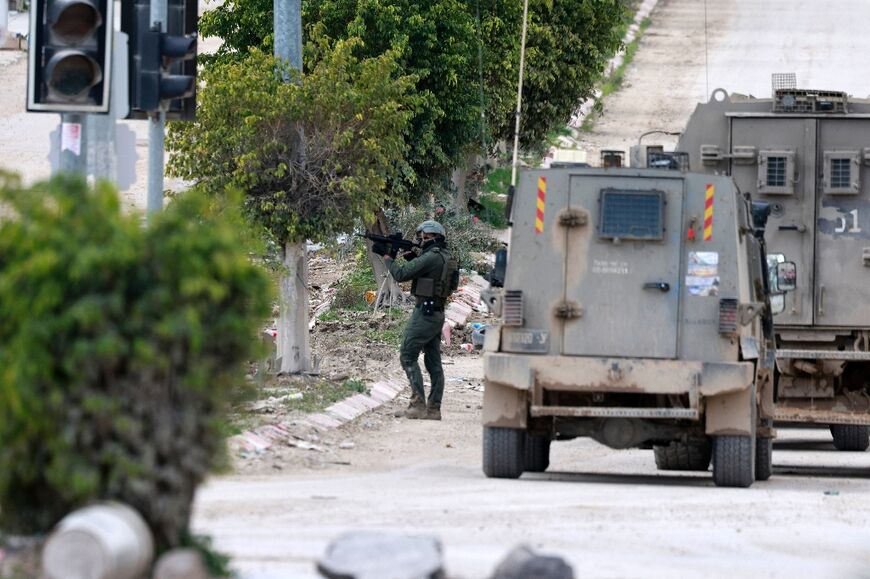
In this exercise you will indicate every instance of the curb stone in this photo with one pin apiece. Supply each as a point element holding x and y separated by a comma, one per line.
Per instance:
<point>260,439</point>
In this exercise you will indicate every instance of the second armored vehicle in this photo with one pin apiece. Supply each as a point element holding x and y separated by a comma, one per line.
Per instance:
<point>807,154</point>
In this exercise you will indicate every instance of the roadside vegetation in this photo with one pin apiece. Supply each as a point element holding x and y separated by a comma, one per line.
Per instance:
<point>122,346</point>
<point>613,82</point>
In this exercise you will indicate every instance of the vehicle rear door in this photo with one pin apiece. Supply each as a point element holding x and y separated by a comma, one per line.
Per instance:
<point>842,276</point>
<point>622,268</point>
<point>781,170</point>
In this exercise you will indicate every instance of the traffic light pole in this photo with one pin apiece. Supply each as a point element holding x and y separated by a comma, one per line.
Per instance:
<point>73,144</point>
<point>156,128</point>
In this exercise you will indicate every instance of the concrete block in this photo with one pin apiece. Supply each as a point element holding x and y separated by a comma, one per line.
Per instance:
<point>323,421</point>
<point>257,441</point>
<point>180,564</point>
<point>523,563</point>
<point>356,404</point>
<point>365,401</point>
<point>378,555</point>
<point>380,395</point>
<point>101,540</point>
<point>271,433</point>
<point>342,411</point>
<point>457,317</point>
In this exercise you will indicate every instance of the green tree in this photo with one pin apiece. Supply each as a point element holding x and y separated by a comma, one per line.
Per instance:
<point>310,157</point>
<point>465,57</point>
<point>118,347</point>
<point>568,46</point>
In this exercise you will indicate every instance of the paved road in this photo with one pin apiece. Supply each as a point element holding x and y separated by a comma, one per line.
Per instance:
<point>610,513</point>
<point>684,56</point>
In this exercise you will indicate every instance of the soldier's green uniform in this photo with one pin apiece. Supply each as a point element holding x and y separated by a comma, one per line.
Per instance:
<point>434,274</point>
<point>423,331</point>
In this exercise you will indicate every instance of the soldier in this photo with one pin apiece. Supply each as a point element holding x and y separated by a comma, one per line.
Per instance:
<point>434,275</point>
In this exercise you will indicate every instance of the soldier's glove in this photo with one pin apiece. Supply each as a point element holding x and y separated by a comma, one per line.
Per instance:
<point>409,255</point>
<point>379,249</point>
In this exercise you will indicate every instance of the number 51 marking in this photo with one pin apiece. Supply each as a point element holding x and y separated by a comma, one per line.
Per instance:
<point>844,224</point>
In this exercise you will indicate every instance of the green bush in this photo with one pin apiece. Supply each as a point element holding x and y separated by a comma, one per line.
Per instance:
<point>351,288</point>
<point>118,346</point>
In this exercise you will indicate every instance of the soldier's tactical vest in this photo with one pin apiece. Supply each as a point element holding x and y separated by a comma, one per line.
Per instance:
<point>439,286</point>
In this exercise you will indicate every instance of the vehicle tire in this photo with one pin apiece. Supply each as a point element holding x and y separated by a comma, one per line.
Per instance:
<point>503,452</point>
<point>733,461</point>
<point>851,436</point>
<point>537,453</point>
<point>763,458</point>
<point>678,455</point>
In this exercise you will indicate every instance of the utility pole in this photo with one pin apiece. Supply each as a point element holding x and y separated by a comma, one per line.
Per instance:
<point>294,347</point>
<point>156,128</point>
<point>514,163</point>
<point>288,31</point>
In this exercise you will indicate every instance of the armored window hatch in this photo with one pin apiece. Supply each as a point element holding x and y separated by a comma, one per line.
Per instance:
<point>776,172</point>
<point>631,214</point>
<point>842,172</point>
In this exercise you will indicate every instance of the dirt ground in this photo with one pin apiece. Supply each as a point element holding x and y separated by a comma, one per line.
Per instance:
<point>359,346</point>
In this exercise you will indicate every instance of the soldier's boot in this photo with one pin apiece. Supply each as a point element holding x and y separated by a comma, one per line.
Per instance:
<point>433,412</point>
<point>416,409</point>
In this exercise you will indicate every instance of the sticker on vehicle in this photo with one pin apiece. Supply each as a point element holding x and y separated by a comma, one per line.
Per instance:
<point>702,273</point>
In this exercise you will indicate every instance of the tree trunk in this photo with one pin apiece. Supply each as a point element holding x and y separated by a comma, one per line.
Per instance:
<point>389,292</point>
<point>460,199</point>
<point>465,190</point>
<point>294,349</point>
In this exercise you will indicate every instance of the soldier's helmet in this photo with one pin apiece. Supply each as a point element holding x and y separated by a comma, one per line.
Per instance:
<point>430,226</point>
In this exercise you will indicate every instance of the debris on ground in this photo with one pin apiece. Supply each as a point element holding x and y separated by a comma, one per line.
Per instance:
<point>377,554</point>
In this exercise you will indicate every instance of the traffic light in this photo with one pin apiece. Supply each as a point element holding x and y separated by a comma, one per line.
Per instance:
<point>162,64</point>
<point>70,56</point>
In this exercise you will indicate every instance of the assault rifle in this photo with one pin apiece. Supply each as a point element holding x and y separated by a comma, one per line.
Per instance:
<point>389,244</point>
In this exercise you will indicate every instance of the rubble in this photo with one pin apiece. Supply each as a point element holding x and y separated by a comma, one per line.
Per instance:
<point>524,563</point>
<point>180,564</point>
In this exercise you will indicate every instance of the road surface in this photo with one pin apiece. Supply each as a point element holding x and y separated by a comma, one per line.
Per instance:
<point>608,512</point>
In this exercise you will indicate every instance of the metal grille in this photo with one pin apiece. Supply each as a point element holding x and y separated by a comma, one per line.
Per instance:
<point>781,80</point>
<point>792,100</point>
<point>776,171</point>
<point>618,412</point>
<point>632,214</point>
<point>678,160</point>
<point>840,174</point>
<point>727,315</point>
<point>512,308</point>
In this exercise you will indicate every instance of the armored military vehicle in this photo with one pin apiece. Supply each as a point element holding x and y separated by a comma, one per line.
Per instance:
<point>634,310</point>
<point>807,154</point>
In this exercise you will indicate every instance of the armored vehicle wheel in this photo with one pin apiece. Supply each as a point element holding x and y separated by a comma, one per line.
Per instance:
<point>503,452</point>
<point>537,453</point>
<point>763,458</point>
<point>678,455</point>
<point>851,436</point>
<point>733,460</point>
